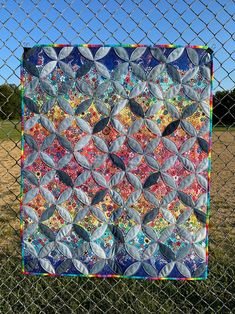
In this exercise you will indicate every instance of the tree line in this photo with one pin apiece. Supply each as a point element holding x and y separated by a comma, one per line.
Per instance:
<point>223,105</point>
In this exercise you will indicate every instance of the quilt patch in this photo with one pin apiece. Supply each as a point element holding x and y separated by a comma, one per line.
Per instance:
<point>116,160</point>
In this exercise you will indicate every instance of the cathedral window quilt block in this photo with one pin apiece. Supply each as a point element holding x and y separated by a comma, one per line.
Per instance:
<point>116,148</point>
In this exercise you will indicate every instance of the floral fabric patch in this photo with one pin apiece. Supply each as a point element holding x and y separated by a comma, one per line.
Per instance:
<point>116,160</point>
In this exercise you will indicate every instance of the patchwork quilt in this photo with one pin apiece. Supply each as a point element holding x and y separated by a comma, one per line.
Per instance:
<point>116,160</point>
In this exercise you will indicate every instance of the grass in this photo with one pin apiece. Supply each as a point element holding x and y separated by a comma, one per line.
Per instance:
<point>10,129</point>
<point>31,294</point>
<point>81,295</point>
<point>223,128</point>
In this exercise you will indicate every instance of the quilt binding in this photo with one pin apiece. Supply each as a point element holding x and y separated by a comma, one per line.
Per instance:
<point>23,156</point>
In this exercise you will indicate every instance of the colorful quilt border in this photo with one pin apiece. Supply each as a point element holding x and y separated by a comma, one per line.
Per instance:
<point>209,160</point>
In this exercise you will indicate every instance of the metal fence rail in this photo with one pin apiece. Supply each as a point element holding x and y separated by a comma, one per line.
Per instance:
<point>25,23</point>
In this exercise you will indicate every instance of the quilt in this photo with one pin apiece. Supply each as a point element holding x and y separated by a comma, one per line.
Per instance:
<point>115,165</point>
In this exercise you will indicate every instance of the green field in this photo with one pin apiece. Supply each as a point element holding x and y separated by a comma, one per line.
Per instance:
<point>31,294</point>
<point>10,129</point>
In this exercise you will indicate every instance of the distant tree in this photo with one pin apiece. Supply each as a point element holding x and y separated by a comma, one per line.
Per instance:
<point>224,108</point>
<point>10,101</point>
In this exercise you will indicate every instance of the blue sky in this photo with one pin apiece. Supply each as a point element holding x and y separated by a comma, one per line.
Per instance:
<point>25,23</point>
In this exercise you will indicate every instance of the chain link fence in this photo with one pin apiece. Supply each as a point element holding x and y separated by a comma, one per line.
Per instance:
<point>25,23</point>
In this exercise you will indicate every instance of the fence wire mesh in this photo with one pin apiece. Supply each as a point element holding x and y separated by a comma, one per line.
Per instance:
<point>25,23</point>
